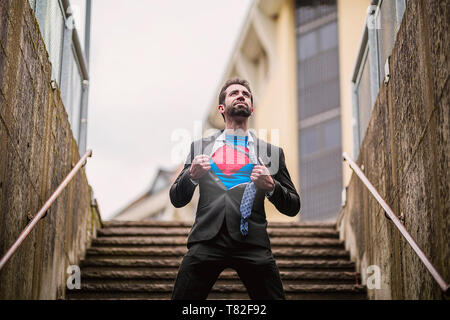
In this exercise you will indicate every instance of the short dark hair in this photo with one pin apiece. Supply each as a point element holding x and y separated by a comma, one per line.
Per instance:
<point>230,82</point>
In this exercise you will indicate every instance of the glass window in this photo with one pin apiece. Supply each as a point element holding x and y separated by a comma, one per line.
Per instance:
<point>309,141</point>
<point>51,21</point>
<point>332,133</point>
<point>318,69</point>
<point>364,99</point>
<point>318,92</point>
<point>310,10</point>
<point>328,36</point>
<point>317,99</point>
<point>387,24</point>
<point>307,45</point>
<point>73,103</point>
<point>79,13</point>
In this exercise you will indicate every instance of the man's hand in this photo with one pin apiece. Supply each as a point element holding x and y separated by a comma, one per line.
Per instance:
<point>200,165</point>
<point>261,177</point>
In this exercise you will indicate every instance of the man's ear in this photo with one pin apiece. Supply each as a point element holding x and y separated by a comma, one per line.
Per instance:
<point>221,108</point>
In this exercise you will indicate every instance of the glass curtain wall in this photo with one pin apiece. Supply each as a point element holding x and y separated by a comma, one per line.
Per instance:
<point>319,109</point>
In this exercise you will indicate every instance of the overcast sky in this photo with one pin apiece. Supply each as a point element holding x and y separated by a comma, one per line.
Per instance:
<point>155,67</point>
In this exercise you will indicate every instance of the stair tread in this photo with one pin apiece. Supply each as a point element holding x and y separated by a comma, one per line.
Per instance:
<point>227,274</point>
<point>140,260</point>
<point>175,262</point>
<point>182,240</point>
<point>181,250</point>
<point>156,287</point>
<point>154,223</point>
<point>183,231</point>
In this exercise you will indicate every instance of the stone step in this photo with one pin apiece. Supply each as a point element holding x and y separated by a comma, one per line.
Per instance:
<point>140,260</point>
<point>74,295</point>
<point>150,223</point>
<point>177,231</point>
<point>150,288</point>
<point>181,251</point>
<point>174,262</point>
<point>220,281</point>
<point>229,274</point>
<point>182,240</point>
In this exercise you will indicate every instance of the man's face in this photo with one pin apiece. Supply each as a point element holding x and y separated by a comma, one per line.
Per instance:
<point>238,102</point>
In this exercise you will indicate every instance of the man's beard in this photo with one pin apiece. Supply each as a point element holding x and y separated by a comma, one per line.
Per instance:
<point>239,111</point>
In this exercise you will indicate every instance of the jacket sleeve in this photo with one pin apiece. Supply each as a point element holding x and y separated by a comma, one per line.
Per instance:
<point>183,188</point>
<point>285,198</point>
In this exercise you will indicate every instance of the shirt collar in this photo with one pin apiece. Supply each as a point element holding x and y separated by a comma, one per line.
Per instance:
<point>223,134</point>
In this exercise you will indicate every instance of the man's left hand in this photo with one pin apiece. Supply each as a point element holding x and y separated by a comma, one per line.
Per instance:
<point>261,178</point>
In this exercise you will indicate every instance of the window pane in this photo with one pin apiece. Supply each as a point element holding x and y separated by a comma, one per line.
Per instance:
<point>318,91</point>
<point>317,99</point>
<point>386,32</point>
<point>332,133</point>
<point>309,10</point>
<point>328,36</point>
<point>309,141</point>
<point>307,45</point>
<point>73,104</point>
<point>79,12</point>
<point>321,185</point>
<point>53,35</point>
<point>319,68</point>
<point>364,99</point>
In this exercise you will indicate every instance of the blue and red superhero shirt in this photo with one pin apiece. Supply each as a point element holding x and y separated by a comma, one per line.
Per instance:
<point>231,162</point>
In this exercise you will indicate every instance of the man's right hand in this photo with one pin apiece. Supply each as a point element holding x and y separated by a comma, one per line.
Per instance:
<point>200,165</point>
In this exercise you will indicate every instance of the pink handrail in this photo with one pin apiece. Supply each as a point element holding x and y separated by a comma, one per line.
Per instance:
<point>444,286</point>
<point>44,209</point>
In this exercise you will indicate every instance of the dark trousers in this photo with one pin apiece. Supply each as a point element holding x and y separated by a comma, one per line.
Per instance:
<point>204,261</point>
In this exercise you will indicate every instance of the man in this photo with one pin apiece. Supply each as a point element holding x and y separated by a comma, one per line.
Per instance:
<point>230,228</point>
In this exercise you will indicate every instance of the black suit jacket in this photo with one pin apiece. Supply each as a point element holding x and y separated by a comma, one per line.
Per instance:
<point>216,203</point>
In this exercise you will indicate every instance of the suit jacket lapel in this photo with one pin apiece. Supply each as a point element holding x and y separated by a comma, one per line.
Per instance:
<point>208,143</point>
<point>269,156</point>
<point>261,149</point>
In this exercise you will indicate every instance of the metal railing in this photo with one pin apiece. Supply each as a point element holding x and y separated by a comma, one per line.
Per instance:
<point>44,209</point>
<point>445,287</point>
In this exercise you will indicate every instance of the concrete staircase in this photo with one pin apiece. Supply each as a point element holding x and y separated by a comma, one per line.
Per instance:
<point>140,260</point>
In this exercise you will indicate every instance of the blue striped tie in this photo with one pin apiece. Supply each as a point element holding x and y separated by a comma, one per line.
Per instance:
<point>246,206</point>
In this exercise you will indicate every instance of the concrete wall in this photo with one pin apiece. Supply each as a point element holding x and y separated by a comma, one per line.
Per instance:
<point>37,152</point>
<point>406,155</point>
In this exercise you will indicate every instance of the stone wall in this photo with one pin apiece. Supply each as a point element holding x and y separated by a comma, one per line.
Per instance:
<point>37,150</point>
<point>406,156</point>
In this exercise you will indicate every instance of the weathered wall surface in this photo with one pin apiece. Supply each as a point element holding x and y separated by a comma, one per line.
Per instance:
<point>406,156</point>
<point>37,151</point>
